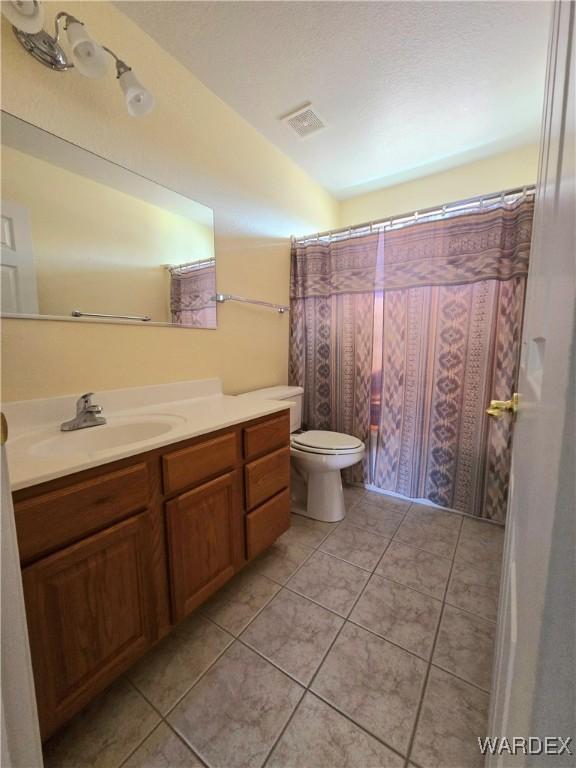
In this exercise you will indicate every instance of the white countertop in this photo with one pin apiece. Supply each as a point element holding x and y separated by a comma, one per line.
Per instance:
<point>38,451</point>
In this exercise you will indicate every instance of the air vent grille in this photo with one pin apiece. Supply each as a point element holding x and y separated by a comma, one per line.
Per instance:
<point>305,121</point>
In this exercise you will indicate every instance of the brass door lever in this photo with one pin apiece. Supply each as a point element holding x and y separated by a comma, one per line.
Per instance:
<point>498,408</point>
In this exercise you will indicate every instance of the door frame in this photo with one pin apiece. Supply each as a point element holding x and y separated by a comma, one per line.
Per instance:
<point>548,645</point>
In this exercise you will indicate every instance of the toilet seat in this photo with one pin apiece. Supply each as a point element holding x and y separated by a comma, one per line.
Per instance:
<point>321,452</point>
<point>326,443</point>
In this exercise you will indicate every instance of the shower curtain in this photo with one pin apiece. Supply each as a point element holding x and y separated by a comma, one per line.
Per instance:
<point>401,337</point>
<point>192,290</point>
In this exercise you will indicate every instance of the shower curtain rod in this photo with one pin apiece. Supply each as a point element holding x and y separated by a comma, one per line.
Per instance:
<point>422,213</point>
<point>190,265</point>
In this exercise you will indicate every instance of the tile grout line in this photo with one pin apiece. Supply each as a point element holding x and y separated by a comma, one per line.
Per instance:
<point>348,621</point>
<point>284,729</point>
<point>273,663</point>
<point>310,683</point>
<point>462,679</point>
<point>137,747</point>
<point>305,597</point>
<point>179,736</point>
<point>298,566</point>
<point>281,586</point>
<point>305,688</point>
<point>314,549</point>
<point>406,586</point>
<point>360,727</point>
<point>259,611</point>
<point>471,613</point>
<point>309,599</point>
<point>201,758</point>
<point>312,600</point>
<point>429,667</point>
<point>391,642</point>
<point>420,549</point>
<point>379,509</point>
<point>405,757</point>
<point>349,562</point>
<point>308,688</point>
<point>197,680</point>
<point>162,720</point>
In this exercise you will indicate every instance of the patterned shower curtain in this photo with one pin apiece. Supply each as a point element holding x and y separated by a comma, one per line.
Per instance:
<point>192,290</point>
<point>401,337</point>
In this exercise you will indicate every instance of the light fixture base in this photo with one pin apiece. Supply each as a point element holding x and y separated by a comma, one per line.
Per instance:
<point>45,49</point>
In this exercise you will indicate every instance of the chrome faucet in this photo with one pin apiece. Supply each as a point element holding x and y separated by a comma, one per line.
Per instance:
<point>87,415</point>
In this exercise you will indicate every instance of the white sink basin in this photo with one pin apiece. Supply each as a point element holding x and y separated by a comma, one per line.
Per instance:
<point>116,434</point>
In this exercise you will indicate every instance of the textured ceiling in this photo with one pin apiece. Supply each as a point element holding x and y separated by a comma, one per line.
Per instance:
<point>405,88</point>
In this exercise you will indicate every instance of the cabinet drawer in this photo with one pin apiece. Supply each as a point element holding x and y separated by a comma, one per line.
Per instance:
<point>267,476</point>
<point>266,523</point>
<point>191,466</point>
<point>52,520</point>
<point>263,438</point>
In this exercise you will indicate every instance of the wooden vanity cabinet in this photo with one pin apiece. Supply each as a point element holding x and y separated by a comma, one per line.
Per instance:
<point>114,556</point>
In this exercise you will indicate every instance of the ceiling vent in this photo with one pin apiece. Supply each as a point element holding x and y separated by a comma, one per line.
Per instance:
<point>304,121</point>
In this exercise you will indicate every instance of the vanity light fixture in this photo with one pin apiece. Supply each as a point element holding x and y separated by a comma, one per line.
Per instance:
<point>86,55</point>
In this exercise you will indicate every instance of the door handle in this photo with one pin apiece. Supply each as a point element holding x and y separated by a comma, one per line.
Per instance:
<point>498,408</point>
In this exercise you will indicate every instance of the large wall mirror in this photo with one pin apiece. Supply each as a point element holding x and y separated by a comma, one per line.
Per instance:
<point>87,240</point>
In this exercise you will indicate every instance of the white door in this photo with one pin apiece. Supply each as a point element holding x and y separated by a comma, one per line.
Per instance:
<point>18,275</point>
<point>534,682</point>
<point>20,734</point>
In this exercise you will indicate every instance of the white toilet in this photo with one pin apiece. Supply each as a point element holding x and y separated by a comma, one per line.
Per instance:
<point>317,457</point>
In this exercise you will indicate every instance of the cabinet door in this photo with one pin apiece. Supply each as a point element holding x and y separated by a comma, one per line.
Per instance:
<point>90,615</point>
<point>205,541</point>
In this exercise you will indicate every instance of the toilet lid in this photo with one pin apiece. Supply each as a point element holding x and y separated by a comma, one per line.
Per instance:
<point>325,451</point>
<point>326,441</point>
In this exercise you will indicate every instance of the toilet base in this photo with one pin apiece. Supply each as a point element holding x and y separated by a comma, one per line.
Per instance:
<point>318,496</point>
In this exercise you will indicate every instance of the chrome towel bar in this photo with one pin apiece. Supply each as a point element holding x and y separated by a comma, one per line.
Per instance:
<point>143,318</point>
<point>223,297</point>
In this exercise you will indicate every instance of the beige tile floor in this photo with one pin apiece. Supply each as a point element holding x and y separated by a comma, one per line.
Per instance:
<point>364,644</point>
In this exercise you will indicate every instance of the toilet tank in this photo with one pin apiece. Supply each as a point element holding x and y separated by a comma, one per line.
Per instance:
<point>291,394</point>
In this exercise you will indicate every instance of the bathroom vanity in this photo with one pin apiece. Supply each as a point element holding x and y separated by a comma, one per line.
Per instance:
<point>114,555</point>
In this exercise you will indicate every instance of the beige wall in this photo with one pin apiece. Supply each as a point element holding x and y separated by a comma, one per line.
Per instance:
<point>196,145</point>
<point>99,249</point>
<point>192,143</point>
<point>505,171</point>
